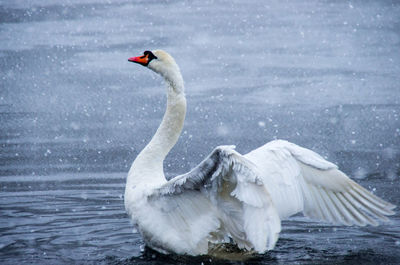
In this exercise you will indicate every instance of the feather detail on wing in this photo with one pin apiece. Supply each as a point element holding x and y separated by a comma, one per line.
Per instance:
<point>238,197</point>
<point>298,179</point>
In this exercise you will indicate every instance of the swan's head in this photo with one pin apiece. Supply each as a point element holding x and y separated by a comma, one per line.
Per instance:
<point>159,61</point>
<point>162,63</point>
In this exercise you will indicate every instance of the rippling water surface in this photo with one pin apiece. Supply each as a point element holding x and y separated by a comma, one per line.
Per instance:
<point>74,114</point>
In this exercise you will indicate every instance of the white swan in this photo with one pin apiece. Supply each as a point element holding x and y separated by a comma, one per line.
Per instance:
<point>231,197</point>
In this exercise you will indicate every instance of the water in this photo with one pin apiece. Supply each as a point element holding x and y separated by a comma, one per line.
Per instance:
<point>74,113</point>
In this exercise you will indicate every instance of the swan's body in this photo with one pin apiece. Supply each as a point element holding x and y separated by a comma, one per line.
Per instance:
<point>231,197</point>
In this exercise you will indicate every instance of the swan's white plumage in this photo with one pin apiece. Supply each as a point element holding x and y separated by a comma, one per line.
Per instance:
<point>228,185</point>
<point>316,186</point>
<point>229,197</point>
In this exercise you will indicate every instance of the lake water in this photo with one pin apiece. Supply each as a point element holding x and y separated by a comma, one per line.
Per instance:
<point>74,113</point>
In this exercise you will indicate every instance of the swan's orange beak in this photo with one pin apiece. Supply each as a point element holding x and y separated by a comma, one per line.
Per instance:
<point>143,60</point>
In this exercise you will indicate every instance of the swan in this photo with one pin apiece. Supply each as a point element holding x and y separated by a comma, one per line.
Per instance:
<point>230,197</point>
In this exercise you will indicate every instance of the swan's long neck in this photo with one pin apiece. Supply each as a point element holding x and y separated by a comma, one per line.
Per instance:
<point>148,166</point>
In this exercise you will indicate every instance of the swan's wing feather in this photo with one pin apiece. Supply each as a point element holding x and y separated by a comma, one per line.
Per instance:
<point>232,185</point>
<point>200,175</point>
<point>316,186</point>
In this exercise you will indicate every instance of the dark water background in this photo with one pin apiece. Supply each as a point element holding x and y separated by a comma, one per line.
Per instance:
<point>74,114</point>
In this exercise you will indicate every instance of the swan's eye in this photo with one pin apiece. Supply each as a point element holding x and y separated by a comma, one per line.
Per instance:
<point>150,55</point>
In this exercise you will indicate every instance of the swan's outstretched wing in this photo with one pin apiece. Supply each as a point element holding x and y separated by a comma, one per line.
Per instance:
<point>232,190</point>
<point>300,180</point>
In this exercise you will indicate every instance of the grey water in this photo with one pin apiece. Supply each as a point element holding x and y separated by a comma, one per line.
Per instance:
<point>74,113</point>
